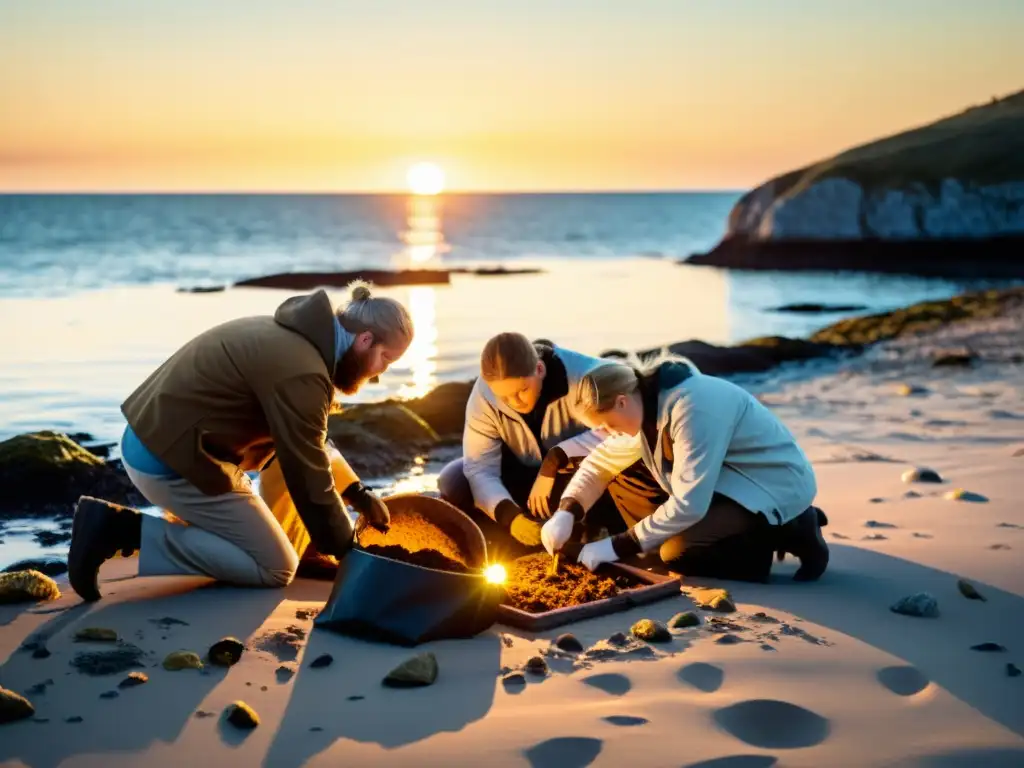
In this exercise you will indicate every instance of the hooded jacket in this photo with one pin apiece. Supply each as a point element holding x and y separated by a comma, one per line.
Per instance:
<point>701,435</point>
<point>235,395</point>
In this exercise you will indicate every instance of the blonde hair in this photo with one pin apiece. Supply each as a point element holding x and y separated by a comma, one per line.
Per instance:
<point>388,321</point>
<point>508,356</point>
<point>598,389</point>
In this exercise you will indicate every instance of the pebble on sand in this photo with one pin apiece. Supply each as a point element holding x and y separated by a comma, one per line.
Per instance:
<point>619,639</point>
<point>513,679</point>
<point>14,707</point>
<point>906,390</point>
<point>569,642</point>
<point>651,631</point>
<point>684,620</point>
<point>179,660</point>
<point>713,600</point>
<point>922,475</point>
<point>134,679</point>
<point>27,587</point>
<point>921,604</point>
<point>967,590</point>
<point>109,695</point>
<point>324,660</point>
<point>226,652</point>
<point>73,719</point>
<point>241,715</point>
<point>728,639</point>
<point>1012,670</point>
<point>418,671</point>
<point>536,665</point>
<point>959,494</point>
<point>95,635</point>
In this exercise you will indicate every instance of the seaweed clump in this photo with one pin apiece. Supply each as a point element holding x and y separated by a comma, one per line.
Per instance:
<point>532,586</point>
<point>425,558</point>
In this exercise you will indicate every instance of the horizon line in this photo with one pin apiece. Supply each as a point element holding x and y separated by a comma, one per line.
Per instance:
<point>364,193</point>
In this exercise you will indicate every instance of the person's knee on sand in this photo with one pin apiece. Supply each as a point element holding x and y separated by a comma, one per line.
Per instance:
<point>454,488</point>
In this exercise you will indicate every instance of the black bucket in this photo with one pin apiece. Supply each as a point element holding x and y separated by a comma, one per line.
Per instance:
<point>395,602</point>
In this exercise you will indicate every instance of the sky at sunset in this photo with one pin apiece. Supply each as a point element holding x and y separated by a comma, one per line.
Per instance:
<point>503,95</point>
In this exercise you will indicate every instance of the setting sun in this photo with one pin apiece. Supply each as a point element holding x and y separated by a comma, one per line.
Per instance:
<point>425,179</point>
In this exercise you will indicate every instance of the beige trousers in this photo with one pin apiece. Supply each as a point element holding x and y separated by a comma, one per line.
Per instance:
<point>239,538</point>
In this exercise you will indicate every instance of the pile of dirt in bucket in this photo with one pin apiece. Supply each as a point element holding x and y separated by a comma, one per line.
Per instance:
<point>531,586</point>
<point>414,532</point>
<point>425,558</point>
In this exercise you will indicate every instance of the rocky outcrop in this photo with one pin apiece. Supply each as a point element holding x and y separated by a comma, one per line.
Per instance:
<point>308,281</point>
<point>946,198</point>
<point>44,473</point>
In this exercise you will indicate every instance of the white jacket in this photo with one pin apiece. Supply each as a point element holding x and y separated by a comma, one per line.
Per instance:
<point>711,436</point>
<point>490,423</point>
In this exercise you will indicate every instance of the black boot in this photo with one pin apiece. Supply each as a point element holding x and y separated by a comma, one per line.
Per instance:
<point>802,538</point>
<point>100,530</point>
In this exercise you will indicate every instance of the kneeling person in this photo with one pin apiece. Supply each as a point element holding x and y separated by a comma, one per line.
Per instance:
<point>737,487</point>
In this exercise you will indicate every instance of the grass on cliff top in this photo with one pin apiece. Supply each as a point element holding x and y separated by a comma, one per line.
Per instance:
<point>982,145</point>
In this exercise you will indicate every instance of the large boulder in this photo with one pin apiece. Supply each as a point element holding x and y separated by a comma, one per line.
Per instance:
<point>44,473</point>
<point>754,356</point>
<point>379,439</point>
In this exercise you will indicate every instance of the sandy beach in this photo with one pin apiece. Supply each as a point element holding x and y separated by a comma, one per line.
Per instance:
<point>818,674</point>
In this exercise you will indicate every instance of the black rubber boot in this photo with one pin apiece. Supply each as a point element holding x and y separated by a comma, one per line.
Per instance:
<point>100,530</point>
<point>802,538</point>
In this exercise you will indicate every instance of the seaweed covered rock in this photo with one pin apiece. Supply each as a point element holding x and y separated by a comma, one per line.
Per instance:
<point>179,660</point>
<point>418,671</point>
<point>651,631</point>
<point>379,439</point>
<point>27,587</point>
<point>917,318</point>
<point>713,600</point>
<point>684,620</point>
<point>14,707</point>
<point>969,591</point>
<point>226,652</point>
<point>241,715</point>
<point>921,604</point>
<point>44,473</point>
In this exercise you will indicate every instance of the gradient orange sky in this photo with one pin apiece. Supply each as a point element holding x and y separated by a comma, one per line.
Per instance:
<point>504,95</point>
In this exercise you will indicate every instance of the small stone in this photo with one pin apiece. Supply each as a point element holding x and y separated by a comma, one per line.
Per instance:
<point>355,698</point>
<point>27,587</point>
<point>536,665</point>
<point>922,475</point>
<point>226,652</point>
<point>684,620</point>
<point>179,660</point>
<point>651,631</point>
<point>988,648</point>
<point>420,670</point>
<point>911,495</point>
<point>241,715</point>
<point>569,642</point>
<point>36,690</point>
<point>14,707</point>
<point>203,714</point>
<point>324,660</point>
<point>714,600</point>
<point>95,635</point>
<point>908,390</point>
<point>1012,670</point>
<point>74,719</point>
<point>284,673</point>
<point>876,500</point>
<point>875,537</point>
<point>728,639</point>
<point>134,679</point>
<point>264,688</point>
<point>40,719</point>
<point>619,639</point>
<point>513,679</point>
<point>315,729</point>
<point>169,621</point>
<point>878,524</point>
<point>109,695</point>
<point>921,604</point>
<point>767,647</point>
<point>967,590</point>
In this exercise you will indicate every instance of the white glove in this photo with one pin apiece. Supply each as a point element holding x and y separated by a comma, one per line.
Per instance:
<point>597,552</point>
<point>556,531</point>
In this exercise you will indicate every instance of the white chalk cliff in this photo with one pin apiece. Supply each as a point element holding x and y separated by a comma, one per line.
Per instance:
<point>961,177</point>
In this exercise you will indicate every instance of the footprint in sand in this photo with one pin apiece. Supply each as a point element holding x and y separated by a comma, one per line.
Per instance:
<point>565,752</point>
<point>736,761</point>
<point>625,721</point>
<point>903,680</point>
<point>611,683</point>
<point>703,677</point>
<point>771,724</point>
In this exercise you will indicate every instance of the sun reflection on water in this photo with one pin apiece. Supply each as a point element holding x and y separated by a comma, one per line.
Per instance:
<point>421,356</point>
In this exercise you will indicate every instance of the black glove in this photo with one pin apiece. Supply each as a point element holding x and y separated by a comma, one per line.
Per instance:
<point>366,503</point>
